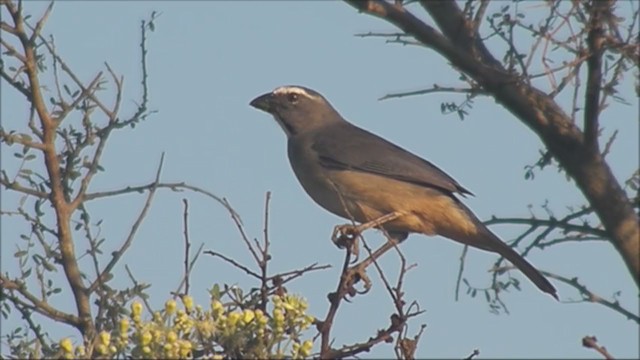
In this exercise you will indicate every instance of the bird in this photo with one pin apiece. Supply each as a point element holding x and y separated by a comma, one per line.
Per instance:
<point>360,176</point>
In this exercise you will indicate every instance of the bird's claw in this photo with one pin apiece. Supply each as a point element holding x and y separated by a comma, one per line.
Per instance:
<point>354,275</point>
<point>346,237</point>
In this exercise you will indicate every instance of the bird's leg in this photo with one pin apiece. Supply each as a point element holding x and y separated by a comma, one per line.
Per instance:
<point>346,236</point>
<point>358,272</point>
<point>390,244</point>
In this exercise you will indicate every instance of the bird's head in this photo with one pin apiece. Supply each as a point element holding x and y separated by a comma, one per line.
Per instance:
<point>297,109</point>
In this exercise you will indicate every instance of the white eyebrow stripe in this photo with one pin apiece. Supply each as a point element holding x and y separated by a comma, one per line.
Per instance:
<point>292,90</point>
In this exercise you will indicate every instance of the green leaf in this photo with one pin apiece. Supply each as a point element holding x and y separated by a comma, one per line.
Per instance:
<point>48,266</point>
<point>215,292</point>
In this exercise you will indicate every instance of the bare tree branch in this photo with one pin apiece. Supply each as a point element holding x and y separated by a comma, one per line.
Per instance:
<point>595,41</point>
<point>35,304</point>
<point>435,89</point>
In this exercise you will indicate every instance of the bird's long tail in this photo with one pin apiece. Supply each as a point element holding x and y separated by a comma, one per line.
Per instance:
<point>492,243</point>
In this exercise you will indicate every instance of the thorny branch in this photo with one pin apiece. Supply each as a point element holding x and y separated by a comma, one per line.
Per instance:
<point>589,296</point>
<point>260,253</point>
<point>566,225</point>
<point>187,245</point>
<point>346,236</point>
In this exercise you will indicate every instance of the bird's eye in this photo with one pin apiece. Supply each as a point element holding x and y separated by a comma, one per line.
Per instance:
<point>293,98</point>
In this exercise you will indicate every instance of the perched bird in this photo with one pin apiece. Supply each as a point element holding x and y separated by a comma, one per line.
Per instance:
<point>360,176</point>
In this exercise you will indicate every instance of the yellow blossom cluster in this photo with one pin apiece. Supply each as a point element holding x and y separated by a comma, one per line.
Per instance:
<point>222,331</point>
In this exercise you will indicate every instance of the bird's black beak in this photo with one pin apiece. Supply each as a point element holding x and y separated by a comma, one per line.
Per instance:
<point>263,102</point>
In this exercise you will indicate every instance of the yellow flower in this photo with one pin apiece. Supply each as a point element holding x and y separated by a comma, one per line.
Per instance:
<point>145,338</point>
<point>233,318</point>
<point>105,338</point>
<point>188,302</point>
<point>124,325</point>
<point>216,307</point>
<point>172,336</point>
<point>278,315</point>
<point>185,349</point>
<point>206,328</point>
<point>66,345</point>
<point>305,349</point>
<point>170,307</point>
<point>262,320</point>
<point>183,322</point>
<point>288,306</point>
<point>113,349</point>
<point>259,313</point>
<point>146,349</point>
<point>295,349</point>
<point>307,320</point>
<point>247,316</point>
<point>136,308</point>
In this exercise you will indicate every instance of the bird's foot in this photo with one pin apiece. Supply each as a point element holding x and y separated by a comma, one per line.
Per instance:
<point>346,237</point>
<point>354,275</point>
<point>357,272</point>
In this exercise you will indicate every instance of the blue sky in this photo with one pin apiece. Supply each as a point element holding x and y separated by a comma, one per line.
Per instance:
<point>207,60</point>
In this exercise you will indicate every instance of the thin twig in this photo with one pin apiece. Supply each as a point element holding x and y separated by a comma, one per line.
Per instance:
<point>134,229</point>
<point>435,89</point>
<point>136,284</point>
<point>265,256</point>
<point>187,245</point>
<point>461,270</point>
<point>590,296</point>
<point>234,263</point>
<point>560,224</point>
<point>192,263</point>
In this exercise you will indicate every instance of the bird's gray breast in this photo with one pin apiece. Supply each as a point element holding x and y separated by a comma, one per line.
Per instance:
<point>314,178</point>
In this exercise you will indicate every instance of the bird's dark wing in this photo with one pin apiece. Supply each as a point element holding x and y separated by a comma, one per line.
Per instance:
<point>352,148</point>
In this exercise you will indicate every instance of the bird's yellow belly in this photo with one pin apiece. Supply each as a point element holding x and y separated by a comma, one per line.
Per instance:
<point>364,197</point>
